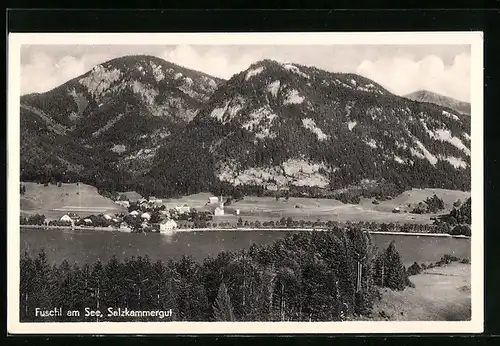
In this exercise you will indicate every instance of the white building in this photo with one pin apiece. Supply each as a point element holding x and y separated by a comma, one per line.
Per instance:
<point>134,213</point>
<point>155,200</point>
<point>107,217</point>
<point>124,226</point>
<point>125,204</point>
<point>183,209</point>
<point>66,218</point>
<point>87,221</point>
<point>219,211</point>
<point>146,216</point>
<point>213,200</point>
<point>168,225</point>
<point>271,187</point>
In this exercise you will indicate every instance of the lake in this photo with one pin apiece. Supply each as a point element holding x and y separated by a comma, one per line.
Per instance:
<point>80,246</point>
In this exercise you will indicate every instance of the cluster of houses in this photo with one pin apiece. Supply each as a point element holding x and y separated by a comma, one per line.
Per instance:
<point>143,210</point>
<point>140,212</point>
<point>142,202</point>
<point>166,223</point>
<point>121,221</point>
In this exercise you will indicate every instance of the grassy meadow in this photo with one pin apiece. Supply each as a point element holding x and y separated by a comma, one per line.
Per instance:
<point>440,294</point>
<point>54,201</point>
<point>268,208</point>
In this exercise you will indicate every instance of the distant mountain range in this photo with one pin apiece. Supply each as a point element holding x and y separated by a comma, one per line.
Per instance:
<point>141,122</point>
<point>445,101</point>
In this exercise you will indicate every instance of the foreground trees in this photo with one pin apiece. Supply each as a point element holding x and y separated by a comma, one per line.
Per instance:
<point>310,276</point>
<point>223,310</point>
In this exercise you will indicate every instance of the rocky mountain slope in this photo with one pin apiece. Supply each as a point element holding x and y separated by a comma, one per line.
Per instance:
<point>295,127</point>
<point>108,123</point>
<point>429,96</point>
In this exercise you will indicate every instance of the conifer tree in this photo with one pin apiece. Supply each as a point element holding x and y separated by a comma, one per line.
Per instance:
<point>223,310</point>
<point>77,287</point>
<point>346,271</point>
<point>62,288</point>
<point>321,292</point>
<point>395,274</point>
<point>365,256</point>
<point>113,283</point>
<point>95,286</point>
<point>192,300</point>
<point>264,304</point>
<point>26,292</point>
<point>42,290</point>
<point>164,283</point>
<point>379,273</point>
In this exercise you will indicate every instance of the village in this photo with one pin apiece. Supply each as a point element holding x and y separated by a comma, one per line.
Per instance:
<point>143,215</point>
<point>77,206</point>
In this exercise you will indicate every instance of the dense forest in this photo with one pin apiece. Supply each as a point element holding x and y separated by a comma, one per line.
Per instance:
<point>311,276</point>
<point>363,134</point>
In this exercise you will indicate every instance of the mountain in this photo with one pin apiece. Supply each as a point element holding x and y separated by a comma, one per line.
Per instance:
<point>304,129</point>
<point>107,124</point>
<point>429,96</point>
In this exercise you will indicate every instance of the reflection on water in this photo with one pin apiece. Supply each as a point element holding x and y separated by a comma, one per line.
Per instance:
<point>167,238</point>
<point>88,246</point>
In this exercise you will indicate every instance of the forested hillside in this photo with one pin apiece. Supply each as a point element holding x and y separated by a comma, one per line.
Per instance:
<point>305,129</point>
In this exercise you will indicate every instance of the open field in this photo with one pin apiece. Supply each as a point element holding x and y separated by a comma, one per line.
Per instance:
<point>131,195</point>
<point>415,196</point>
<point>197,201</point>
<point>440,294</point>
<point>267,208</point>
<point>53,201</point>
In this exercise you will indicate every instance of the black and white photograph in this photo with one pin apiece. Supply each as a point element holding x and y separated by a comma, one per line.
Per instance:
<point>288,180</point>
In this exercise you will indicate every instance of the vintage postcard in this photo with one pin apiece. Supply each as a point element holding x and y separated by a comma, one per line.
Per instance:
<point>245,183</point>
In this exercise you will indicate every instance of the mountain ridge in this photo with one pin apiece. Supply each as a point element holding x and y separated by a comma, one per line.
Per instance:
<point>270,127</point>
<point>97,108</point>
<point>441,100</point>
<point>270,122</point>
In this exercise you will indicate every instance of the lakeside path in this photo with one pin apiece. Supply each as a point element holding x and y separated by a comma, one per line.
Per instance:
<point>242,229</point>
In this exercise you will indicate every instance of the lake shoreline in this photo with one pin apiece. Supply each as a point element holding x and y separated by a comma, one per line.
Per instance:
<point>242,229</point>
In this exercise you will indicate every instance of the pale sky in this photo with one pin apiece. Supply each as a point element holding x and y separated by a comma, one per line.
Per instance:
<point>444,69</point>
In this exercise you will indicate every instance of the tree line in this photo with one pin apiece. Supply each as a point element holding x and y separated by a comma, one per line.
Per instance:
<point>432,204</point>
<point>458,221</point>
<point>311,276</point>
<point>196,219</point>
<point>417,268</point>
